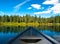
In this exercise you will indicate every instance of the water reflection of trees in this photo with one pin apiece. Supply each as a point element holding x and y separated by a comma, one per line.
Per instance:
<point>51,28</point>
<point>11,29</point>
<point>20,28</point>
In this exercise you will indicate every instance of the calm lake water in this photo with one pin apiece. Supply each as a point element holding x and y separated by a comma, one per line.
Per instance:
<point>7,33</point>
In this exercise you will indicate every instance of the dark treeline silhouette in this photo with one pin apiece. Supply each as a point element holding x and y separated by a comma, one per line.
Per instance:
<point>27,18</point>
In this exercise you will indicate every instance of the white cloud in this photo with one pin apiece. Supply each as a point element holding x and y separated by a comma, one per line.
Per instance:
<point>16,8</point>
<point>56,8</point>
<point>50,2</point>
<point>43,12</point>
<point>29,8</point>
<point>36,6</point>
<point>1,13</point>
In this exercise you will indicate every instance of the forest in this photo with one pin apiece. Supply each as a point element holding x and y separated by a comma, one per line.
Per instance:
<point>29,19</point>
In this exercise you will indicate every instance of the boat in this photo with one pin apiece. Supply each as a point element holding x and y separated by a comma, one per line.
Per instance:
<point>32,36</point>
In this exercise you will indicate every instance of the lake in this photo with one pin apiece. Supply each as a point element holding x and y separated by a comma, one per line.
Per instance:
<point>9,32</point>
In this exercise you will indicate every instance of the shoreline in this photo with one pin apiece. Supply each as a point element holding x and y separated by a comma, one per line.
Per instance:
<point>28,24</point>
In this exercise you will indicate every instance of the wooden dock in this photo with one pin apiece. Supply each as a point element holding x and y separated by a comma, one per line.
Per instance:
<point>32,36</point>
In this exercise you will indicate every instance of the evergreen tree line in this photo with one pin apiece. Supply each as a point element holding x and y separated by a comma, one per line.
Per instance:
<point>29,19</point>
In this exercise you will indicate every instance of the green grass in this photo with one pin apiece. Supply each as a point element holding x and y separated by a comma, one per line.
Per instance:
<point>28,24</point>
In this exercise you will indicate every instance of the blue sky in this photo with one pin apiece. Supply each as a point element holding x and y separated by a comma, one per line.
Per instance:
<point>43,8</point>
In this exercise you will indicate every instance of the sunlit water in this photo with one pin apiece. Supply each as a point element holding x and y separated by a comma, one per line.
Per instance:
<point>7,33</point>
